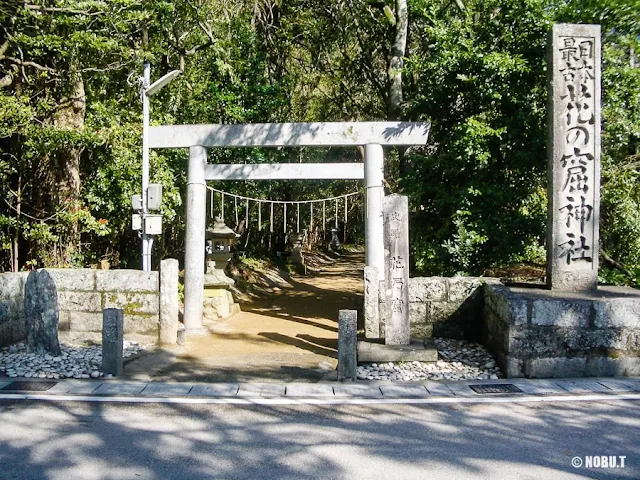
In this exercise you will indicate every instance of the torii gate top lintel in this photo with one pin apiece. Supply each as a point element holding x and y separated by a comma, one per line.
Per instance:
<point>327,134</point>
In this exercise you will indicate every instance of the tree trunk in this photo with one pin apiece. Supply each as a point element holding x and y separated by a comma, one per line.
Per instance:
<point>70,116</point>
<point>396,62</point>
<point>394,73</point>
<point>65,170</point>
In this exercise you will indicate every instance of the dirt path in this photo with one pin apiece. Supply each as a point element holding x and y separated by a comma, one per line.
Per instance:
<point>290,334</point>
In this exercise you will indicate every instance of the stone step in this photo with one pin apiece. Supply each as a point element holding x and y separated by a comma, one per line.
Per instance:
<point>417,350</point>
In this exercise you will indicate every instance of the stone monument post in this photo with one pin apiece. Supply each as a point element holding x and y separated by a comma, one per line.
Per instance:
<point>396,278</point>
<point>169,271</point>
<point>573,157</point>
<point>42,314</point>
<point>112,341</point>
<point>347,338</point>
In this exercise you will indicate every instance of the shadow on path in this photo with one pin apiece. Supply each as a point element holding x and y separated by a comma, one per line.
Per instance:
<point>290,334</point>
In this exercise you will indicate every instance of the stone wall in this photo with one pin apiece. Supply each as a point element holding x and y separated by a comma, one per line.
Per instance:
<point>443,307</point>
<point>539,333</point>
<point>83,293</point>
<point>12,318</point>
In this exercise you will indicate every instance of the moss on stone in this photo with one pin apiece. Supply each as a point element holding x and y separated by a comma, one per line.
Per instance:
<point>132,308</point>
<point>140,314</point>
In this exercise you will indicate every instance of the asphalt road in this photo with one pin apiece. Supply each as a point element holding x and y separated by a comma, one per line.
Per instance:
<point>68,440</point>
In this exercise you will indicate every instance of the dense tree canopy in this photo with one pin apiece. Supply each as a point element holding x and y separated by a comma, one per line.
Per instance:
<point>70,116</point>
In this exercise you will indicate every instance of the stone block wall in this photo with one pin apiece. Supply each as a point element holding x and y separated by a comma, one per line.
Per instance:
<point>539,333</point>
<point>83,293</point>
<point>12,318</point>
<point>443,307</point>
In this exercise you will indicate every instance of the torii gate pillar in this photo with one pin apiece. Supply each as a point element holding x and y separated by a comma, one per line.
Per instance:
<point>195,241</point>
<point>374,186</point>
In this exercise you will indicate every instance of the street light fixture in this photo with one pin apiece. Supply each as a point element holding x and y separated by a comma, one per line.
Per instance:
<point>147,91</point>
<point>161,82</point>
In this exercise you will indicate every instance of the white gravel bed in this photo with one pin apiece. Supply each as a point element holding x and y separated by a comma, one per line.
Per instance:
<point>457,360</point>
<point>75,361</point>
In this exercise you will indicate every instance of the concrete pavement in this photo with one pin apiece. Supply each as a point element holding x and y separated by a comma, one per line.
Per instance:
<point>81,440</point>
<point>116,429</point>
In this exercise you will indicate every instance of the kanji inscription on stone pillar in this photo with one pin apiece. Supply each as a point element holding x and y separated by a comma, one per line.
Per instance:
<point>573,157</point>
<point>396,251</point>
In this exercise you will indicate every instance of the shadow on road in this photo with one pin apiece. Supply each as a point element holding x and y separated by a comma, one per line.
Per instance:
<point>73,440</point>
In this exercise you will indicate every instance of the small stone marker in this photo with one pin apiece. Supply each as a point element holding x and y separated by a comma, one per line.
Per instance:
<point>396,278</point>
<point>112,339</point>
<point>41,310</point>
<point>573,157</point>
<point>347,338</point>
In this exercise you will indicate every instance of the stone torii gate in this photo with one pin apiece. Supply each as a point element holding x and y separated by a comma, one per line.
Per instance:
<point>370,135</point>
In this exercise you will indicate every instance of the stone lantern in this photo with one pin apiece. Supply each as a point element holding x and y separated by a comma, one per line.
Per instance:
<point>218,241</point>
<point>296,249</point>
<point>335,241</point>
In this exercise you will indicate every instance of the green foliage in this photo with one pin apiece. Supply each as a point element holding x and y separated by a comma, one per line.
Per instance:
<point>477,72</point>
<point>244,62</point>
<point>476,194</point>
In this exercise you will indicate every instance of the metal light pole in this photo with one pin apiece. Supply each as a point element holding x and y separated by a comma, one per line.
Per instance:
<point>146,244</point>
<point>148,90</point>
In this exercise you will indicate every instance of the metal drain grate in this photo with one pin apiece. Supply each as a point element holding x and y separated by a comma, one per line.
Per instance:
<point>28,386</point>
<point>496,388</point>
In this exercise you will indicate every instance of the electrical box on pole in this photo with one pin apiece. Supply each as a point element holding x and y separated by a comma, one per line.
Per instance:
<point>153,224</point>
<point>154,196</point>
<point>136,222</point>
<point>136,202</point>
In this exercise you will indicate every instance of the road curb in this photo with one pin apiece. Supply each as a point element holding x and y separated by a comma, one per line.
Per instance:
<point>322,401</point>
<point>335,393</point>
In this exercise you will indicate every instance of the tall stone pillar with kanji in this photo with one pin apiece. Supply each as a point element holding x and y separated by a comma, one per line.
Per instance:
<point>573,157</point>
<point>396,276</point>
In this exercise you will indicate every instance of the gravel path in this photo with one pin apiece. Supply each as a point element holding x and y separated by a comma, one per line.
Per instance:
<point>458,360</point>
<point>75,362</point>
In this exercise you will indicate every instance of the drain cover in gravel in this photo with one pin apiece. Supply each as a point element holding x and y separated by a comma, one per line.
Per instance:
<point>496,388</point>
<point>28,386</point>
